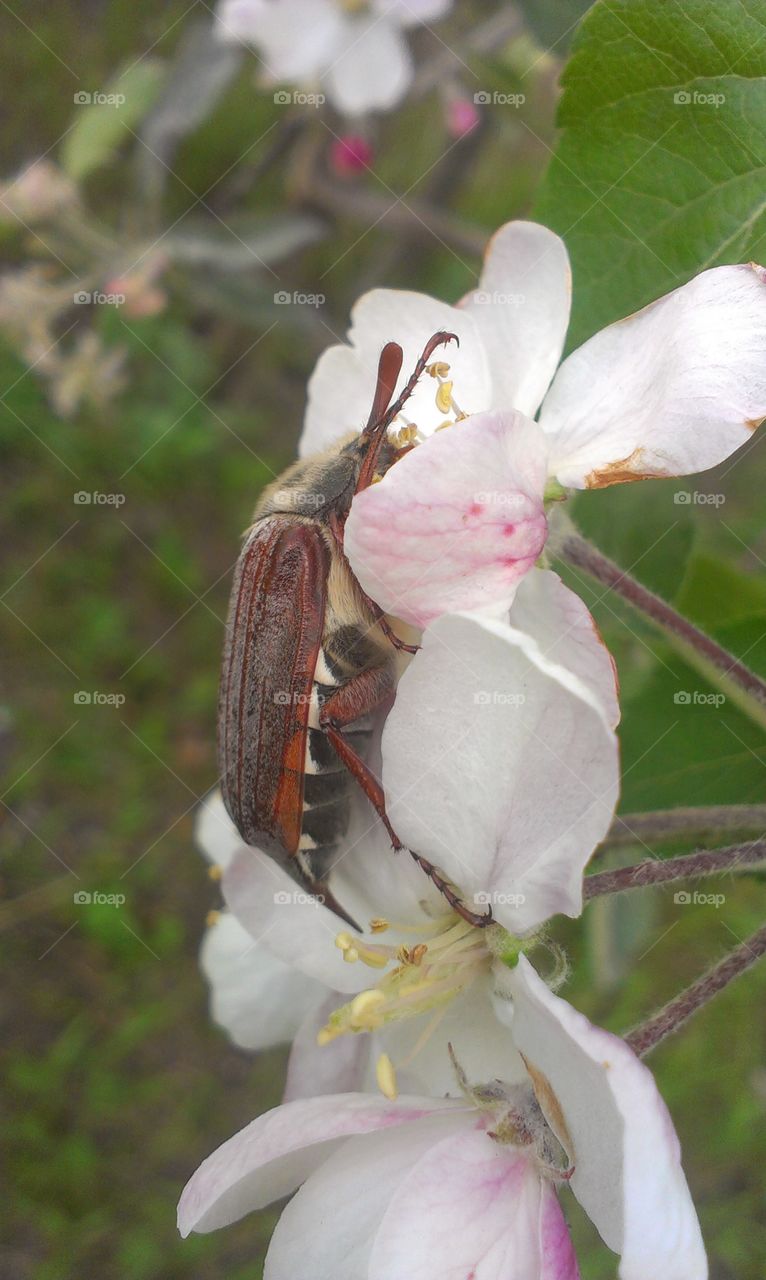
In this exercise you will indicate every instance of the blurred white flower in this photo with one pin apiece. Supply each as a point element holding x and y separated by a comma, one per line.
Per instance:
<point>355,50</point>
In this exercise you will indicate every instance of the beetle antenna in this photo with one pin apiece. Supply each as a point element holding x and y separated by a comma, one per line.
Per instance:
<point>383,412</point>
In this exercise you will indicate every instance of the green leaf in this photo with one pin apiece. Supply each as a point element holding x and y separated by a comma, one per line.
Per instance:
<point>105,118</point>
<point>660,169</point>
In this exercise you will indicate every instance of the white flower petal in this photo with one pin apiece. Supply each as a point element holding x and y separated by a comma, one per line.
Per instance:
<point>337,1067</point>
<point>342,385</point>
<point>521,309</point>
<point>671,390</point>
<point>628,1174</point>
<point>499,766</point>
<point>296,38</point>
<point>327,1230</point>
<point>409,13</point>
<point>371,69</point>
<point>259,1000</point>
<point>280,916</point>
<point>215,833</point>
<point>566,632</point>
<point>456,523</point>
<point>275,1153</point>
<point>480,1042</point>
<point>471,1207</point>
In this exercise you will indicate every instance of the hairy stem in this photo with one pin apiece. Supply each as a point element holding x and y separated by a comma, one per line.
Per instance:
<point>674,1014</point>
<point>706,822</point>
<point>745,687</point>
<point>706,862</point>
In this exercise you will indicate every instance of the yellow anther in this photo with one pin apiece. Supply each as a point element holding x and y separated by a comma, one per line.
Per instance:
<point>418,953</point>
<point>212,918</point>
<point>444,397</point>
<point>365,1009</point>
<point>385,1074</point>
<point>351,955</point>
<point>326,1035</point>
<point>443,425</point>
<point>343,941</point>
<point>215,872</point>
<point>379,925</point>
<point>438,369</point>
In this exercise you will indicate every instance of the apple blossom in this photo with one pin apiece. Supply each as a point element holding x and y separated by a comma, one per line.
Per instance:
<point>355,51</point>
<point>675,388</point>
<point>499,757</point>
<point>456,1187</point>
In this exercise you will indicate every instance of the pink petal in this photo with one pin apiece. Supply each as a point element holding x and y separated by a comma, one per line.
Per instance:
<point>499,766</point>
<point>275,1153</point>
<point>628,1174</point>
<point>521,309</point>
<point>456,523</point>
<point>472,1209</point>
<point>328,1229</point>
<point>671,390</point>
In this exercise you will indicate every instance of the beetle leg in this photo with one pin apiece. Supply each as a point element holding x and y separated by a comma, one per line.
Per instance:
<point>364,693</point>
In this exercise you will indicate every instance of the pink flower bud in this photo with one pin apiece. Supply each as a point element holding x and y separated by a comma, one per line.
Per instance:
<point>461,117</point>
<point>351,154</point>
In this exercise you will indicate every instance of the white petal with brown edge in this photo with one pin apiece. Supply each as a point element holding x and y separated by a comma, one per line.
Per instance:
<point>672,390</point>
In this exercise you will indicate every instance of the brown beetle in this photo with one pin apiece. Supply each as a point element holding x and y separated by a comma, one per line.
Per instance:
<point>309,657</point>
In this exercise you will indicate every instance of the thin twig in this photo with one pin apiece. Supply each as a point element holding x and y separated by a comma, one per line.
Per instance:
<point>581,553</point>
<point>706,862</point>
<point>674,1014</point>
<point>702,823</point>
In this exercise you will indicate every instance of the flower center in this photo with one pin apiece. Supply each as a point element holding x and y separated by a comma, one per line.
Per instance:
<point>424,978</point>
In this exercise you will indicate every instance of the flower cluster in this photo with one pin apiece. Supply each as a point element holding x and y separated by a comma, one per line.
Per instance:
<point>439,1094</point>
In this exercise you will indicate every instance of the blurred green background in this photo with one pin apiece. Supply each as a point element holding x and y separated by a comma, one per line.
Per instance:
<point>116,1082</point>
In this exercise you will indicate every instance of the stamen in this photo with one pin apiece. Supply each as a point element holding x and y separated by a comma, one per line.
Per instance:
<point>212,918</point>
<point>215,872</point>
<point>385,1074</point>
<point>379,925</point>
